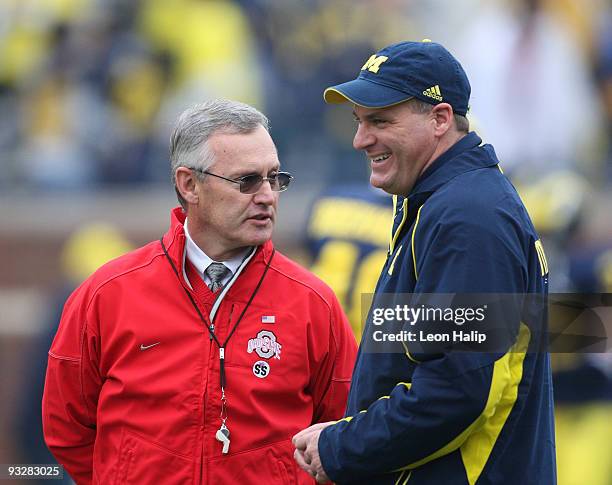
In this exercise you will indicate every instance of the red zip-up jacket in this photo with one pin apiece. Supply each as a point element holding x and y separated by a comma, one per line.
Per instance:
<point>132,392</point>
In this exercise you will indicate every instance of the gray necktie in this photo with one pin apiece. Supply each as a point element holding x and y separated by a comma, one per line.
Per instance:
<point>216,272</point>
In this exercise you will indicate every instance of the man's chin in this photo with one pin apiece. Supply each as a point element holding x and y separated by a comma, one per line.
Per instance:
<point>380,183</point>
<point>259,237</point>
<point>388,186</point>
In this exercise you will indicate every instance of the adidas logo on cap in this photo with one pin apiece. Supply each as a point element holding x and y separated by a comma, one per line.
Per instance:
<point>434,92</point>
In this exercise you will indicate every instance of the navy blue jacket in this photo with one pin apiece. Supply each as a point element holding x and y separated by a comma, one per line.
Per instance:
<point>453,417</point>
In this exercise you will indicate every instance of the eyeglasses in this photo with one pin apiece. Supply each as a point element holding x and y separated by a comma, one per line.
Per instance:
<point>250,184</point>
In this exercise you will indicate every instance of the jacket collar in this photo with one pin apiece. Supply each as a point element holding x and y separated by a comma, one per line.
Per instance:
<point>175,240</point>
<point>458,159</point>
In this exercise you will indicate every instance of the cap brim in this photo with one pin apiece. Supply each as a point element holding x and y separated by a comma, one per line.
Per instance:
<point>364,93</point>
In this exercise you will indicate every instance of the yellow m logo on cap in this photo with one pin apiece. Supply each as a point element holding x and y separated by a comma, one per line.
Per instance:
<point>373,63</point>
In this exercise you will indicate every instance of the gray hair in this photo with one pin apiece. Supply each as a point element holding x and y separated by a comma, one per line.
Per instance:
<point>461,122</point>
<point>189,140</point>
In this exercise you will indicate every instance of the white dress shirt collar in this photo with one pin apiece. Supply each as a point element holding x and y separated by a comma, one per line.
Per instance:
<point>201,260</point>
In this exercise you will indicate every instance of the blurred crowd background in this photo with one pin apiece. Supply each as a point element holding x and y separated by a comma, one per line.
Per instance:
<point>90,89</point>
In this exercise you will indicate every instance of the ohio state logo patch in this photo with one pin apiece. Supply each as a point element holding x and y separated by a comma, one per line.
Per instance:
<point>265,345</point>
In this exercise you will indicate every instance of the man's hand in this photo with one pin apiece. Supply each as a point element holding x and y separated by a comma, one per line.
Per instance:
<point>306,454</point>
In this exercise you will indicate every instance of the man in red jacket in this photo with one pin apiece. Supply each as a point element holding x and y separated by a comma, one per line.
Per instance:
<point>197,357</point>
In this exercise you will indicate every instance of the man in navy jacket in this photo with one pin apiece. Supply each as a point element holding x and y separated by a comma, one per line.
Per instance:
<point>423,415</point>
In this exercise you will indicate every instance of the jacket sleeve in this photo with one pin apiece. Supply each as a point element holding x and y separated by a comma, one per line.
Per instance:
<point>72,386</point>
<point>450,395</point>
<point>333,379</point>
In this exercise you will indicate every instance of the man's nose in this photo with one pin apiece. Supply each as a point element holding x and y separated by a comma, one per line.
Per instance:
<point>265,194</point>
<point>363,138</point>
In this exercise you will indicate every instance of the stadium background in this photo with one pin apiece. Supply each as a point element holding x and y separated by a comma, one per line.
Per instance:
<point>89,90</point>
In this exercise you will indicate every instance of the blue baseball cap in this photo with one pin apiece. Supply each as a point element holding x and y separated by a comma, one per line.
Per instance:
<point>423,70</point>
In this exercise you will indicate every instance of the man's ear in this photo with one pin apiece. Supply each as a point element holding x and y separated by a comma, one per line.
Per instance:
<point>186,185</point>
<point>443,117</point>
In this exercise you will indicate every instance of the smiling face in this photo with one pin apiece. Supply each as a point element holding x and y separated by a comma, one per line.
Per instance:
<point>399,143</point>
<point>224,221</point>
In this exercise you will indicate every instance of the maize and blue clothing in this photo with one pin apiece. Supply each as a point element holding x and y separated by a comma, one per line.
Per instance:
<point>454,417</point>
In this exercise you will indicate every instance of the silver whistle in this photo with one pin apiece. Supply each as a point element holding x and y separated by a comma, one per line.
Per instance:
<point>222,435</point>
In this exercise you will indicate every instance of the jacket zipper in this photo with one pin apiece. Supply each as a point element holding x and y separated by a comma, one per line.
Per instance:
<point>203,438</point>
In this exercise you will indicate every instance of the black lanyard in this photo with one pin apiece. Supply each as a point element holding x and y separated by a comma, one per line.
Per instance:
<point>212,334</point>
